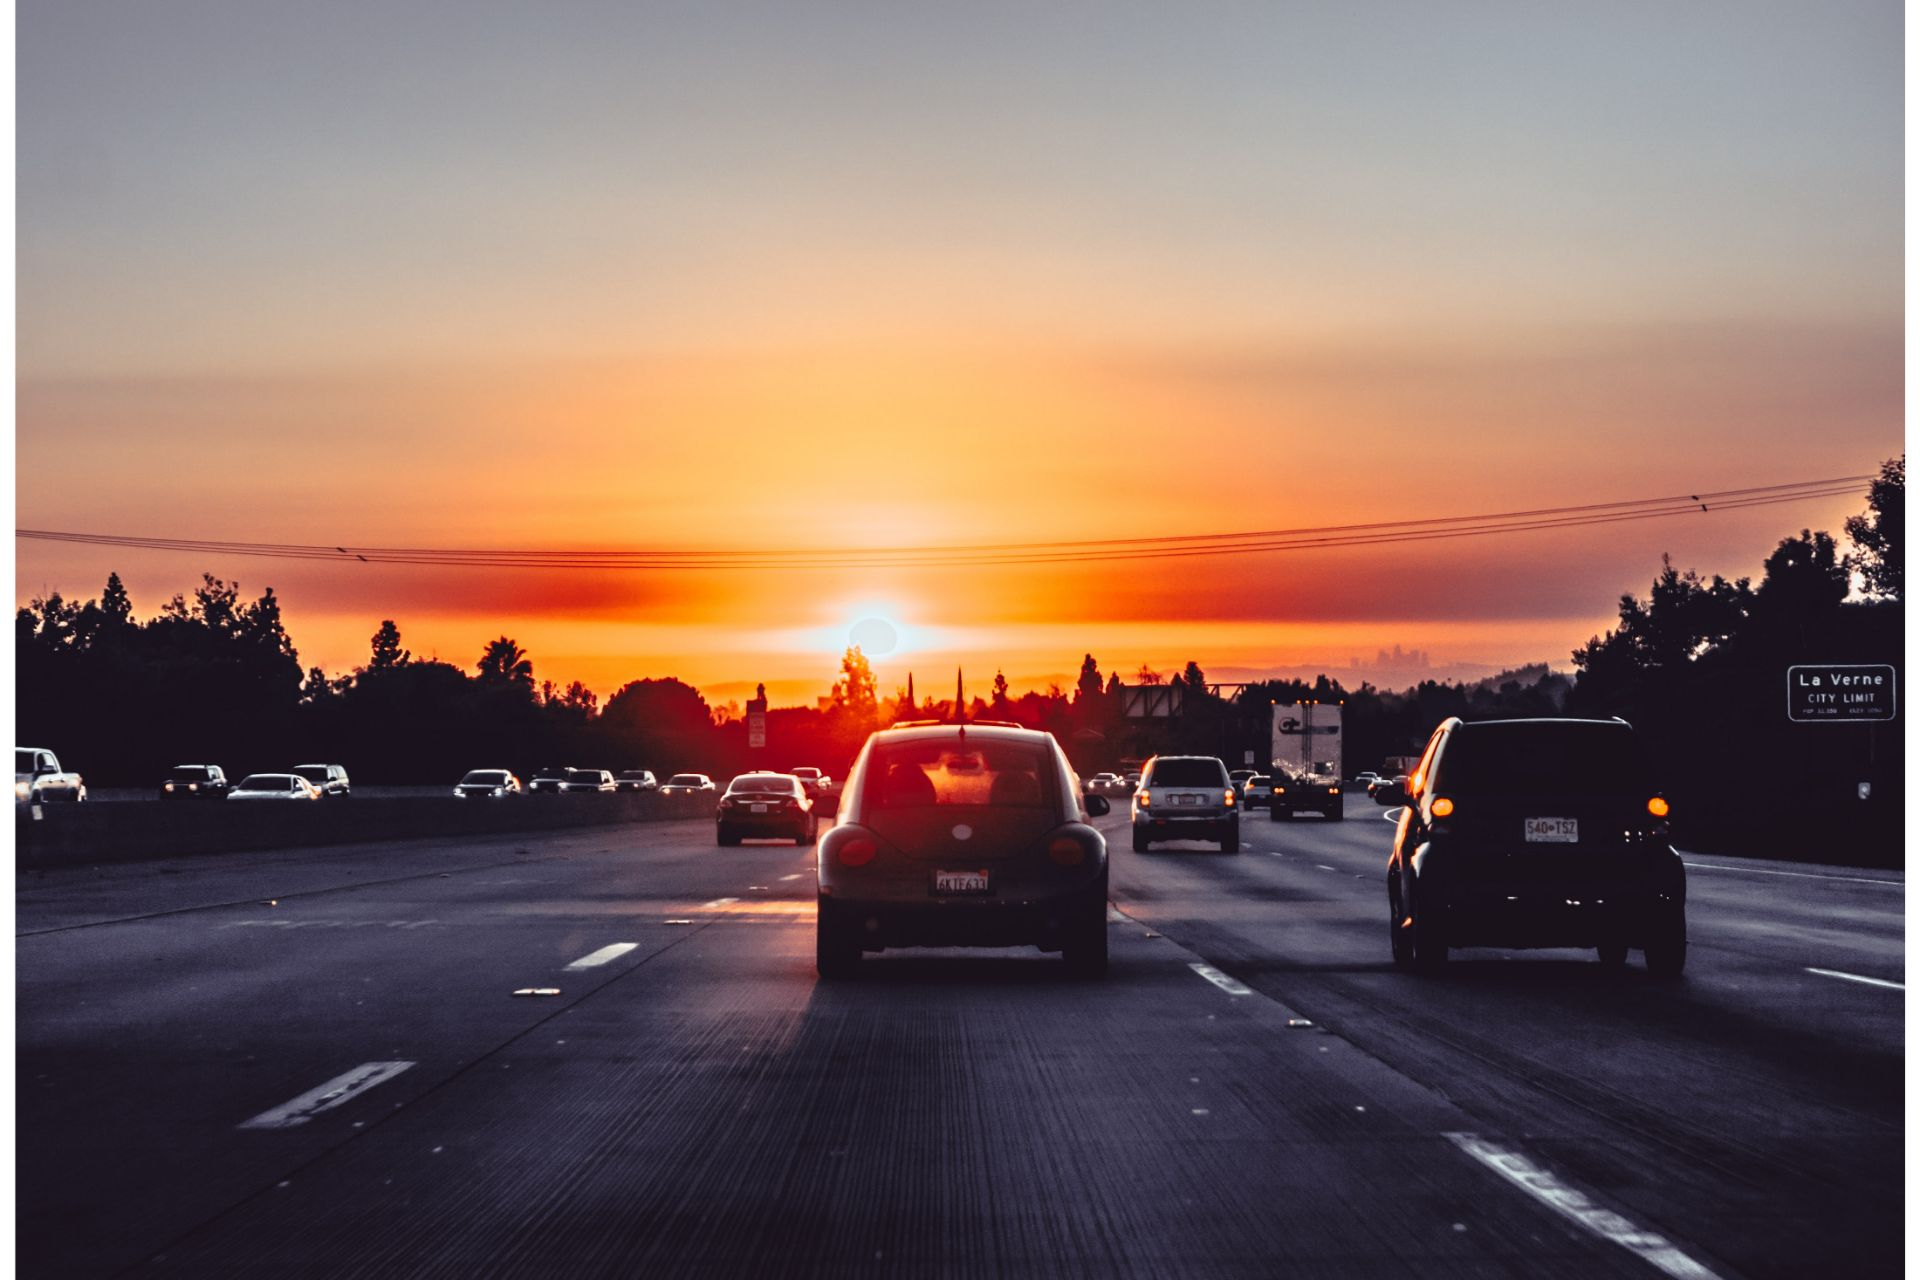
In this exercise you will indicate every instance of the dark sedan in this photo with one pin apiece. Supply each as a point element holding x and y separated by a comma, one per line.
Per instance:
<point>765,806</point>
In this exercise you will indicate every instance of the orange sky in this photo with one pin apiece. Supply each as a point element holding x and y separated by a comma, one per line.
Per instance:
<point>932,276</point>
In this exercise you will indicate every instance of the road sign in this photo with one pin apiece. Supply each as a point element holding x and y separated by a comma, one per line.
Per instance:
<point>1840,693</point>
<point>756,729</point>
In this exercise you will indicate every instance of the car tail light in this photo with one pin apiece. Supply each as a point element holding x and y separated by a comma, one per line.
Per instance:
<point>1442,807</point>
<point>1227,799</point>
<point>1658,807</point>
<point>1067,851</point>
<point>857,852</point>
<point>1144,799</point>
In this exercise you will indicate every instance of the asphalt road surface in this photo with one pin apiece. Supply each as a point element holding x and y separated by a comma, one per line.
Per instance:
<point>314,1064</point>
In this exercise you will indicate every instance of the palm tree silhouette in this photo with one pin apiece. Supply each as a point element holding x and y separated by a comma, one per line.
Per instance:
<point>505,662</point>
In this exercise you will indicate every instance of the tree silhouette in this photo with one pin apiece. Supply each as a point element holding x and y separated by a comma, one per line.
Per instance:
<point>506,664</point>
<point>1000,693</point>
<point>854,693</point>
<point>1880,534</point>
<point>1089,686</point>
<point>387,653</point>
<point>1194,678</point>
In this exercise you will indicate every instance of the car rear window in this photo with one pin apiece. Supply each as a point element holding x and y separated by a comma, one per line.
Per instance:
<point>685,780</point>
<point>190,773</point>
<point>1529,758</point>
<point>312,772</point>
<point>948,773</point>
<point>766,785</point>
<point>486,778</point>
<point>1188,772</point>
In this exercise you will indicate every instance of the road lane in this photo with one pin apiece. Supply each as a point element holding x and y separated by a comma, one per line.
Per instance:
<point>1753,1105</point>
<point>702,1105</point>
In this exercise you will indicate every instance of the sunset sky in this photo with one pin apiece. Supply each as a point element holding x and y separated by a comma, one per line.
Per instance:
<point>609,276</point>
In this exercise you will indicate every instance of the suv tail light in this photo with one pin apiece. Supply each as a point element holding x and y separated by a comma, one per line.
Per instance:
<point>1658,807</point>
<point>1227,797</point>
<point>1066,851</point>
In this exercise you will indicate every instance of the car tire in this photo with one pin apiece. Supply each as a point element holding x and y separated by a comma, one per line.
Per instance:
<point>1336,815</point>
<point>809,833</point>
<point>1231,842</point>
<point>727,837</point>
<point>1613,955</point>
<point>1399,933</point>
<point>1666,950</point>
<point>1085,946</point>
<point>1429,943</point>
<point>1140,843</point>
<point>836,953</point>
<point>1273,814</point>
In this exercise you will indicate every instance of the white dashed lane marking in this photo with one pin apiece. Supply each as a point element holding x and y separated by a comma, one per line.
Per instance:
<point>1802,875</point>
<point>718,902</point>
<point>600,957</point>
<point>1232,986</point>
<point>1578,1206</point>
<point>794,876</point>
<point>1855,977</point>
<point>341,1089</point>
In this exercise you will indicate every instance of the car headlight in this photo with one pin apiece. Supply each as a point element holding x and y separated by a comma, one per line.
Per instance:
<point>458,794</point>
<point>193,786</point>
<point>499,791</point>
<point>168,787</point>
<point>21,790</point>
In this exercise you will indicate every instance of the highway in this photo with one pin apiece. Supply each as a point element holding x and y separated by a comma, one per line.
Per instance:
<point>314,1063</point>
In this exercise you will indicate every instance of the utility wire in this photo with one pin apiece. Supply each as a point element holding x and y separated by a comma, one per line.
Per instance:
<point>1378,533</point>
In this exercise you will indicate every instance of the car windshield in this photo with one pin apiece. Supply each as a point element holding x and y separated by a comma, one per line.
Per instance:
<point>685,780</point>
<point>485,778</point>
<point>765,785</point>
<point>1545,756</point>
<point>190,773</point>
<point>1188,771</point>
<point>945,773</point>
<point>806,773</point>
<point>635,775</point>
<point>583,775</point>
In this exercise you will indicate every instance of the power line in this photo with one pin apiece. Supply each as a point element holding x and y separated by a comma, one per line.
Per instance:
<point>1377,533</point>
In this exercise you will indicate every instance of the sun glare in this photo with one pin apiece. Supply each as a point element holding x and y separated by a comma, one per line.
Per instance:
<point>875,636</point>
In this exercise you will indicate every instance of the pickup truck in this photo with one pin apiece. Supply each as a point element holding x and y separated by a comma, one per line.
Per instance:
<point>38,778</point>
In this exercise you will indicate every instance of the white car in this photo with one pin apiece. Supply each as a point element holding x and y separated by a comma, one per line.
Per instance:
<point>1186,798</point>
<point>1102,783</point>
<point>274,786</point>
<point>38,778</point>
<point>487,784</point>
<point>579,781</point>
<point>687,784</point>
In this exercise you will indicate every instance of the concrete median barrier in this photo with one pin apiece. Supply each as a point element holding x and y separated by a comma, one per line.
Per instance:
<point>81,834</point>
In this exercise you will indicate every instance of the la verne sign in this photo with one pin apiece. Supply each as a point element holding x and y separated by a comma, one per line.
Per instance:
<point>1840,694</point>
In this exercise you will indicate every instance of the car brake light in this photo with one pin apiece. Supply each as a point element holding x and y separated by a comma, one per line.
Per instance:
<point>857,852</point>
<point>1067,851</point>
<point>1658,807</point>
<point>1443,807</point>
<point>1144,799</point>
<point>1228,801</point>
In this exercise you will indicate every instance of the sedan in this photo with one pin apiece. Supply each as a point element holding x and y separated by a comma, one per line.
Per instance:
<point>687,784</point>
<point>274,786</point>
<point>759,805</point>
<point>487,784</point>
<point>586,781</point>
<point>961,835</point>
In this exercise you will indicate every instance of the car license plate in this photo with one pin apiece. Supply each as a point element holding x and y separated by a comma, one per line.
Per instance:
<point>960,882</point>
<point>756,808</point>
<point>1186,799</point>
<point>1553,831</point>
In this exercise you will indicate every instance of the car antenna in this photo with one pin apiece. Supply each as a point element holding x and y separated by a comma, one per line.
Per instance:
<point>959,701</point>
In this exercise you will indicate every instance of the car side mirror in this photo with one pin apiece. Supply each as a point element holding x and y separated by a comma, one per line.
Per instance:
<point>1097,806</point>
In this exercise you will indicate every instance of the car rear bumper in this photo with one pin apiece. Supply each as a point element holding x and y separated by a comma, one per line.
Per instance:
<point>989,921</point>
<point>1184,827</point>
<point>1559,916</point>
<point>772,823</point>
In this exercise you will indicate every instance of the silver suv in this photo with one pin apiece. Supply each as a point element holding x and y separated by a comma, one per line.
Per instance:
<point>1186,798</point>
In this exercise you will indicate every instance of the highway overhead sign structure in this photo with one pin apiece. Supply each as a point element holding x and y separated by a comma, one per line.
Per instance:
<point>1840,693</point>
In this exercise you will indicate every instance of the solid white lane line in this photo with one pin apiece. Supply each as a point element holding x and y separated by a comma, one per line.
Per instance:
<point>1803,875</point>
<point>1232,986</point>
<point>1576,1205</point>
<point>600,957</point>
<point>342,1088</point>
<point>1854,977</point>
<point>1324,867</point>
<point>718,902</point>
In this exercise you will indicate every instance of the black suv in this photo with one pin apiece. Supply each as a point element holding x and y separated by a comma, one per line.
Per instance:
<point>1535,833</point>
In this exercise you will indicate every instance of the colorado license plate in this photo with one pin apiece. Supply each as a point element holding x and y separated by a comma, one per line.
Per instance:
<point>1553,830</point>
<point>960,882</point>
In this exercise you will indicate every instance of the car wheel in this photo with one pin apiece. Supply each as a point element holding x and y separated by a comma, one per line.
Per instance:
<point>1429,943</point>
<point>1140,842</point>
<point>1085,949</point>
<point>836,954</point>
<point>1666,951</point>
<point>1231,843</point>
<point>1336,815</point>
<point>1273,814</point>
<point>1399,931</point>
<point>1613,955</point>
<point>809,833</point>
